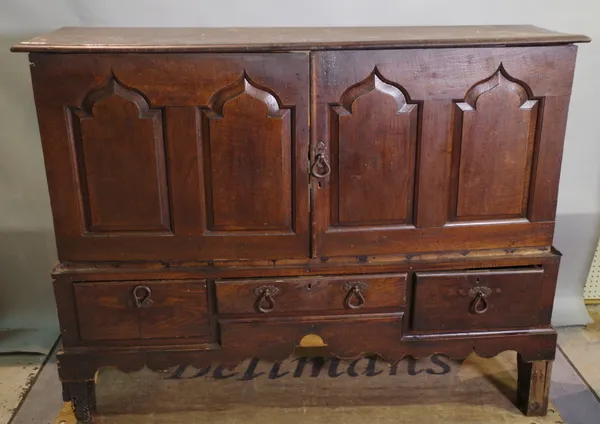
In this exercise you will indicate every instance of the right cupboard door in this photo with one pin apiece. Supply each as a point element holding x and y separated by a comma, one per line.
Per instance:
<point>437,149</point>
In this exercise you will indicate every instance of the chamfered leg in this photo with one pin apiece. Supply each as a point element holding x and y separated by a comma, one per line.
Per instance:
<point>82,395</point>
<point>533,386</point>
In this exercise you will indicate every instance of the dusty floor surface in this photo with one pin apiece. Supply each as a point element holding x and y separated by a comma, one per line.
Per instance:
<point>368,390</point>
<point>16,375</point>
<point>434,390</point>
<point>582,347</point>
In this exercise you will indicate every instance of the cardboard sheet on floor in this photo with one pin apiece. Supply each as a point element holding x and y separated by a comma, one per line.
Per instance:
<point>582,346</point>
<point>22,354</point>
<point>32,341</point>
<point>314,391</point>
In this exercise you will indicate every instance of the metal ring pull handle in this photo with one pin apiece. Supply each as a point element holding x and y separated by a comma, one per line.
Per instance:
<point>480,303</point>
<point>266,298</point>
<point>320,162</point>
<point>355,292</point>
<point>141,296</point>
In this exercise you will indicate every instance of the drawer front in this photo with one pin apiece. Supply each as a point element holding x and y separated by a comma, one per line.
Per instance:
<point>477,300</point>
<point>343,335</point>
<point>348,293</point>
<point>142,310</point>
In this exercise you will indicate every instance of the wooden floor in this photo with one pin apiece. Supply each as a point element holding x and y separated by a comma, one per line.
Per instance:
<point>434,390</point>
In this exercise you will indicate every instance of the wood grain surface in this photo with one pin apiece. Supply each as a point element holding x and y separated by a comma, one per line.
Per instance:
<point>224,193</point>
<point>74,39</point>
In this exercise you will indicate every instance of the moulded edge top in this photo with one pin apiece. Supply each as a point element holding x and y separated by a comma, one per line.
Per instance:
<point>254,39</point>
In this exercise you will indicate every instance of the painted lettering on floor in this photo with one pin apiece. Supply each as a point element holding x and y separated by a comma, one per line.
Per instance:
<point>368,366</point>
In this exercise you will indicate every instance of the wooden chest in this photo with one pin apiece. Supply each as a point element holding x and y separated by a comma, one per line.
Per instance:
<point>226,193</point>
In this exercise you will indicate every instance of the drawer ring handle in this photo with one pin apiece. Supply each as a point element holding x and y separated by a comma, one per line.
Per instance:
<point>355,292</point>
<point>141,296</point>
<point>266,298</point>
<point>320,161</point>
<point>480,304</point>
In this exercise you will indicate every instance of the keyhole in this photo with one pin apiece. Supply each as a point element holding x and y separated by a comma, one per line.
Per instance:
<point>309,286</point>
<point>477,279</point>
<point>320,184</point>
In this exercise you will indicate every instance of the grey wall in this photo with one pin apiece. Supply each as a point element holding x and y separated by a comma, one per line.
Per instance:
<point>26,244</point>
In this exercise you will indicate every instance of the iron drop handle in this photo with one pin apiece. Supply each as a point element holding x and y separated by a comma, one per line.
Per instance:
<point>141,297</point>
<point>320,167</point>
<point>354,298</point>
<point>480,303</point>
<point>320,162</point>
<point>265,302</point>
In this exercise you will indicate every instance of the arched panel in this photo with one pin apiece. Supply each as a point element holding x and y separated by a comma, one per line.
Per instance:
<point>373,150</point>
<point>119,194</point>
<point>247,143</point>
<point>493,149</point>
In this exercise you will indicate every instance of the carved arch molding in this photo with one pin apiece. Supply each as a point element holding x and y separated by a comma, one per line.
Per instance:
<point>493,150</point>
<point>373,144</point>
<point>248,156</point>
<point>248,131</point>
<point>245,129</point>
<point>116,195</point>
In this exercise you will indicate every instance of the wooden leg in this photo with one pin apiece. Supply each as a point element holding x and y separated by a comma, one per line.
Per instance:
<point>82,395</point>
<point>533,386</point>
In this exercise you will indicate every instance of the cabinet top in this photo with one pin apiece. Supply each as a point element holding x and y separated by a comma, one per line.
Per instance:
<point>95,39</point>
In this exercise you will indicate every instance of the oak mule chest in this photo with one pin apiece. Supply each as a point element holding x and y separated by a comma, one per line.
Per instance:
<point>220,194</point>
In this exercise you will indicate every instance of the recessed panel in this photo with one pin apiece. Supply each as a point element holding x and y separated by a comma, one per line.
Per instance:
<point>119,147</point>
<point>247,161</point>
<point>493,150</point>
<point>374,135</point>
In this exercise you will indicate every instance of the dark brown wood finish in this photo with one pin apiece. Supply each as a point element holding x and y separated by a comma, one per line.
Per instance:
<point>115,123</point>
<point>82,395</point>
<point>82,364</point>
<point>533,386</point>
<point>236,134</point>
<point>110,311</point>
<point>344,335</point>
<point>313,267</point>
<point>495,129</point>
<point>477,299</point>
<point>473,139</point>
<point>309,295</point>
<point>196,222</point>
<point>188,40</point>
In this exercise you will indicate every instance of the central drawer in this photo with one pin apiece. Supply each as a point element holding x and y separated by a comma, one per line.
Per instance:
<point>337,293</point>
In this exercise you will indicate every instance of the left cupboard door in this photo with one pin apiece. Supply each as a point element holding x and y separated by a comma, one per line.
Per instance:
<point>177,157</point>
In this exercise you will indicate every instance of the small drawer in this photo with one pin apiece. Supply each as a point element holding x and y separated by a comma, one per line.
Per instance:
<point>142,310</point>
<point>477,300</point>
<point>343,335</point>
<point>348,293</point>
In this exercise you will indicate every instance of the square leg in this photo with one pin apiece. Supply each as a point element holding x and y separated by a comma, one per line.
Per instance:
<point>533,386</point>
<point>82,395</point>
